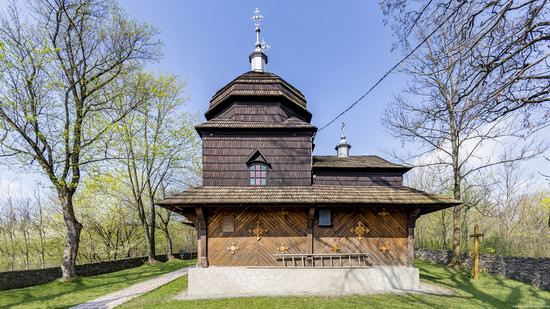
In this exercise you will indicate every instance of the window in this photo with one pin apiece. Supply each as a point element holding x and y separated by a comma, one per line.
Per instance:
<point>324,217</point>
<point>228,224</point>
<point>258,174</point>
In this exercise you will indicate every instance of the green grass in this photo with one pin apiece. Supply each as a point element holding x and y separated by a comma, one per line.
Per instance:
<point>487,292</point>
<point>58,294</point>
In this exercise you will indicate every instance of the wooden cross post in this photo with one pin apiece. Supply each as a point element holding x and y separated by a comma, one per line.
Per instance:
<point>476,236</point>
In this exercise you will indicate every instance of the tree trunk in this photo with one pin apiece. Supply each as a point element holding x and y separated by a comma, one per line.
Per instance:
<point>148,242</point>
<point>169,249</point>
<point>152,244</point>
<point>151,252</point>
<point>74,227</point>
<point>42,259</point>
<point>457,210</point>
<point>457,179</point>
<point>152,223</point>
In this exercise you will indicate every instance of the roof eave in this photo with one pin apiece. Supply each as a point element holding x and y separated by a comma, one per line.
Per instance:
<point>400,169</point>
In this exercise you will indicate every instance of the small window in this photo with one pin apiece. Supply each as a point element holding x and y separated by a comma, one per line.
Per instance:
<point>258,174</point>
<point>228,224</point>
<point>324,217</point>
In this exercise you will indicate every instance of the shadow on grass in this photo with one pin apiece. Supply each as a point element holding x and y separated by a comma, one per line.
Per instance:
<point>70,293</point>
<point>488,290</point>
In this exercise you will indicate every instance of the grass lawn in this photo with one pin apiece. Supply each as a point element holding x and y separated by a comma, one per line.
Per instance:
<point>58,294</point>
<point>487,292</point>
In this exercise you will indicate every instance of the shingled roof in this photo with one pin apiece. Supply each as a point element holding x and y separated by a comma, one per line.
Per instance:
<point>212,196</point>
<point>290,123</point>
<point>259,84</point>
<point>366,162</point>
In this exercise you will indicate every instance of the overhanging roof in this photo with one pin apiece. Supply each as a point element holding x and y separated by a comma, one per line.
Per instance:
<point>214,196</point>
<point>226,123</point>
<point>356,162</point>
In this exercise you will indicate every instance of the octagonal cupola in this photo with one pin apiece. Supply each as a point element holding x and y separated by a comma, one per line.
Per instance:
<point>264,90</point>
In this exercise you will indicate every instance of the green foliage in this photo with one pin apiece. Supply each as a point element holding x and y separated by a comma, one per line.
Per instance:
<point>59,294</point>
<point>62,66</point>
<point>518,229</point>
<point>487,292</point>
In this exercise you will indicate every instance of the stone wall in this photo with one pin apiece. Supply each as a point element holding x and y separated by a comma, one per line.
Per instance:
<point>530,270</point>
<point>25,278</point>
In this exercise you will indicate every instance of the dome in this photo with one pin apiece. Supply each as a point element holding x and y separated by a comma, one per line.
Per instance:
<point>262,86</point>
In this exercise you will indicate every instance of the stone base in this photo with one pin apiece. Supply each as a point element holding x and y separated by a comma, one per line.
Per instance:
<point>244,281</point>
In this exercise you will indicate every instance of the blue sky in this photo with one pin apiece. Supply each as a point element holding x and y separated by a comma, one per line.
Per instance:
<point>333,51</point>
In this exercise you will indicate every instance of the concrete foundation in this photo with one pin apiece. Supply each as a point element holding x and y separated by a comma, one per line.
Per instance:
<point>243,281</point>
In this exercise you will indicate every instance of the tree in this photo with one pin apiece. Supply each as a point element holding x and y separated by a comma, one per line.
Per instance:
<point>505,42</point>
<point>57,91</point>
<point>157,146</point>
<point>39,225</point>
<point>24,227</point>
<point>165,217</point>
<point>444,110</point>
<point>9,225</point>
<point>112,227</point>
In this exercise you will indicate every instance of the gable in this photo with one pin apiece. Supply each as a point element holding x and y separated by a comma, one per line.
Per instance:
<point>257,157</point>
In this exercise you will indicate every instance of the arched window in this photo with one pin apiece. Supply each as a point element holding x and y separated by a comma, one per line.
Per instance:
<point>258,174</point>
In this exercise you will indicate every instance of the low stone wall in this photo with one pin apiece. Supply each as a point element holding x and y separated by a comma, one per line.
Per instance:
<point>25,278</point>
<point>530,270</point>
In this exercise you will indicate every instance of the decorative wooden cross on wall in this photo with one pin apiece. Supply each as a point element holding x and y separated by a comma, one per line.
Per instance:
<point>360,229</point>
<point>258,231</point>
<point>476,235</point>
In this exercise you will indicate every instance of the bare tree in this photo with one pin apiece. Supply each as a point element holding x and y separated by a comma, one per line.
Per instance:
<point>504,41</point>
<point>56,91</point>
<point>443,109</point>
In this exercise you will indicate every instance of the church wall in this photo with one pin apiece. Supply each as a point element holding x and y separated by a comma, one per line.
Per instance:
<point>286,226</point>
<point>289,226</point>
<point>390,230</point>
<point>260,111</point>
<point>225,156</point>
<point>357,178</point>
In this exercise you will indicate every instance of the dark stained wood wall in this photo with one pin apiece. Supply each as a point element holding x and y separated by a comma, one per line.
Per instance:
<point>289,226</point>
<point>348,178</point>
<point>257,111</point>
<point>225,156</point>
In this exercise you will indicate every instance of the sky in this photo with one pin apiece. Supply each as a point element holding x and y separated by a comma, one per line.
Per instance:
<point>332,51</point>
<point>329,51</point>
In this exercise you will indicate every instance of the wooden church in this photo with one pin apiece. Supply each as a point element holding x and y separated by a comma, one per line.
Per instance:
<point>274,219</point>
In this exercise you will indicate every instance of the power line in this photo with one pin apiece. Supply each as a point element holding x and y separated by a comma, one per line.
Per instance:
<point>395,66</point>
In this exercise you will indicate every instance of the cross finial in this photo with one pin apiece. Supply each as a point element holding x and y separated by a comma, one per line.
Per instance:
<point>257,19</point>
<point>343,147</point>
<point>258,58</point>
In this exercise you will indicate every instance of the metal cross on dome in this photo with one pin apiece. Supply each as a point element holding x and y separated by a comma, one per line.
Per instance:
<point>257,19</point>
